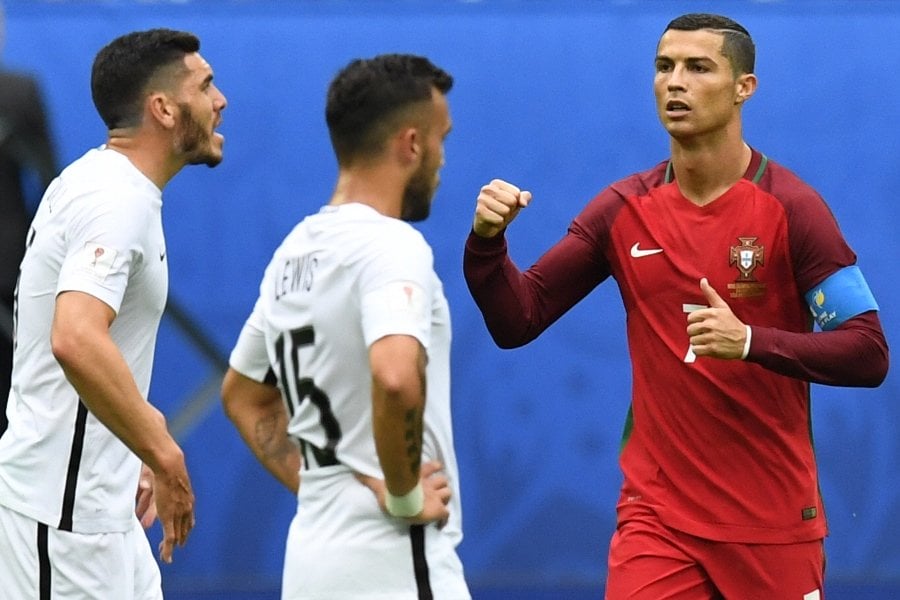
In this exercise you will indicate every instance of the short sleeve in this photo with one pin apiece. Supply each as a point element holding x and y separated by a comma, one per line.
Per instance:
<point>396,290</point>
<point>249,357</point>
<point>103,245</point>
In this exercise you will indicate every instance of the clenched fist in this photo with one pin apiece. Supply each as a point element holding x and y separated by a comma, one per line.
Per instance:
<point>498,204</point>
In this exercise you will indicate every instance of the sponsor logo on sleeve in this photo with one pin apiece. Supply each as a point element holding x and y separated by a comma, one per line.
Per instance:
<point>822,315</point>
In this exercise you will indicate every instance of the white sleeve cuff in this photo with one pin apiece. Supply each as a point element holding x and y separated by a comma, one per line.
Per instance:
<point>747,343</point>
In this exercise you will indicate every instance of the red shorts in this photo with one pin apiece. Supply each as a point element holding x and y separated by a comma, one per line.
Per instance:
<point>649,561</point>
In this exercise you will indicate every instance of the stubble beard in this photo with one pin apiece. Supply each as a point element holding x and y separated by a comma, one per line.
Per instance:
<point>193,141</point>
<point>418,194</point>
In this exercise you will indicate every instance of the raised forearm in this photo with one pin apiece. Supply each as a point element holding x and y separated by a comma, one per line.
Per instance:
<point>518,306</point>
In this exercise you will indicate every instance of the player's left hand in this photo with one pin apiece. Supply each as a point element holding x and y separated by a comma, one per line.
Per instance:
<point>145,503</point>
<point>715,331</point>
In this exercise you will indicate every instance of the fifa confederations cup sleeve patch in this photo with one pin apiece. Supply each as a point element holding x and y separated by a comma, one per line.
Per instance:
<point>96,260</point>
<point>841,296</point>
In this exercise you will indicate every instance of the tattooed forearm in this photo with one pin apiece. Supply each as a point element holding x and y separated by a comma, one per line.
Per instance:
<point>272,439</point>
<point>413,436</point>
<point>274,448</point>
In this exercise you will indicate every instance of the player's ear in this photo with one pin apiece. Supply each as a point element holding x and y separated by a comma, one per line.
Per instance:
<point>409,144</point>
<point>744,87</point>
<point>161,109</point>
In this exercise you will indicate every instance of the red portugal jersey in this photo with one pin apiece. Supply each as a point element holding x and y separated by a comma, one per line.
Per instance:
<point>720,449</point>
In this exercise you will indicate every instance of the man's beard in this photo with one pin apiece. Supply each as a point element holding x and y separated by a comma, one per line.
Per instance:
<point>417,195</point>
<point>193,141</point>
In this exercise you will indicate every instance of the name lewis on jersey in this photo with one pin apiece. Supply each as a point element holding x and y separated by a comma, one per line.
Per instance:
<point>746,257</point>
<point>295,274</point>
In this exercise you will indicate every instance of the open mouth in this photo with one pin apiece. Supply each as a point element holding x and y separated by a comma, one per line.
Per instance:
<point>677,106</point>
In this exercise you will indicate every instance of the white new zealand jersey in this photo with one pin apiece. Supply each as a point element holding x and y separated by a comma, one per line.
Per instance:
<point>97,230</point>
<point>342,279</point>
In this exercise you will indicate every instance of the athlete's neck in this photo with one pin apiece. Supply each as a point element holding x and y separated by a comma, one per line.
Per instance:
<point>705,171</point>
<point>374,185</point>
<point>148,155</point>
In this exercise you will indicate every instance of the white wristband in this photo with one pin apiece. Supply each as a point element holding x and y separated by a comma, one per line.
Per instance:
<point>746,344</point>
<point>408,505</point>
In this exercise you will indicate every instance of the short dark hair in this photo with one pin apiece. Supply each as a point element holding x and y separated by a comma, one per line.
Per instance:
<point>368,96</point>
<point>124,67</point>
<point>737,46</point>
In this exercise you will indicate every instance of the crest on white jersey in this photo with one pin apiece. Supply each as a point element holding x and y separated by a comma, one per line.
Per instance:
<point>96,260</point>
<point>405,297</point>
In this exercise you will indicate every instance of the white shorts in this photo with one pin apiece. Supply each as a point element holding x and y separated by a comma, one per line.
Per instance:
<point>340,545</point>
<point>40,562</point>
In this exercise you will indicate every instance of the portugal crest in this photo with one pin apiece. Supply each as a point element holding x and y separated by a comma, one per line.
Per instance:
<point>746,258</point>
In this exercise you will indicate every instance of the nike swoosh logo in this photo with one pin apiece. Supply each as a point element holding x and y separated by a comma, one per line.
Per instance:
<point>636,252</point>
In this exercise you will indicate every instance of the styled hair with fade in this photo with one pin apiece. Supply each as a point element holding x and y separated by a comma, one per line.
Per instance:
<point>368,98</point>
<point>124,68</point>
<point>737,46</point>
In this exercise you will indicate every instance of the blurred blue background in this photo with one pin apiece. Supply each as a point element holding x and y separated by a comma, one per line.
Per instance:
<point>555,96</point>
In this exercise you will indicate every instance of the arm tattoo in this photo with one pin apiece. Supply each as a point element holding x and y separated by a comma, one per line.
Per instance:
<point>413,436</point>
<point>271,437</point>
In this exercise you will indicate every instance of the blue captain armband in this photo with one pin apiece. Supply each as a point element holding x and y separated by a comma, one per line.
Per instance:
<point>843,295</point>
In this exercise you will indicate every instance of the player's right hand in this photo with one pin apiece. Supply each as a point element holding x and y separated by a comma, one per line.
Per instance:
<point>498,204</point>
<point>145,503</point>
<point>174,506</point>
<point>435,485</point>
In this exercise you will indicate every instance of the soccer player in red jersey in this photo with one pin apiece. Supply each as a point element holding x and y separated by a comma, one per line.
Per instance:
<point>725,262</point>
